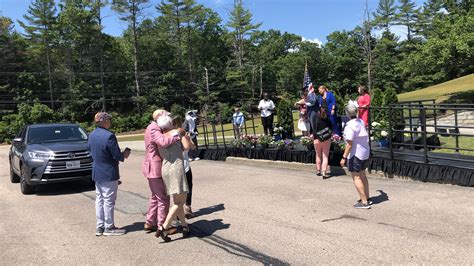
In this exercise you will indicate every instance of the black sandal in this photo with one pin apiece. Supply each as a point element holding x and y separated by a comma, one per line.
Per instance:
<point>186,231</point>
<point>161,232</point>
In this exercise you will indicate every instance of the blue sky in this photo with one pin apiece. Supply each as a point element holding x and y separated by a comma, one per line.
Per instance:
<point>311,19</point>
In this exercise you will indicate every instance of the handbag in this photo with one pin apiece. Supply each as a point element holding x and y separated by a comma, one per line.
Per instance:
<point>324,134</point>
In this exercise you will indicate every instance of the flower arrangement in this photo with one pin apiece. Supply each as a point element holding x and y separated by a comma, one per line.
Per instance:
<point>289,143</point>
<point>279,143</point>
<point>238,143</point>
<point>379,131</point>
<point>250,140</point>
<point>305,141</point>
<point>264,140</point>
<point>339,146</point>
<point>278,132</point>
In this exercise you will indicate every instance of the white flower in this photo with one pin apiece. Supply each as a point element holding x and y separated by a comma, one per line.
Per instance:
<point>384,133</point>
<point>375,124</point>
<point>372,138</point>
<point>280,128</point>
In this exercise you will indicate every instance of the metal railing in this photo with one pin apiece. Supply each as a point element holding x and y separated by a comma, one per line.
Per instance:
<point>424,127</point>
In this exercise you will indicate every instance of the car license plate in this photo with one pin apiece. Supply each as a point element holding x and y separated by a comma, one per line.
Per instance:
<point>73,164</point>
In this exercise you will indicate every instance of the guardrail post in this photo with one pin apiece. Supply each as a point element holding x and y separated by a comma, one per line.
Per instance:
<point>253,124</point>
<point>204,131</point>
<point>223,134</point>
<point>214,135</point>
<point>423,132</point>
<point>456,129</point>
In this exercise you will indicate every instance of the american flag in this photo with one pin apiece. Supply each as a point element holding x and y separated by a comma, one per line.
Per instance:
<point>307,79</point>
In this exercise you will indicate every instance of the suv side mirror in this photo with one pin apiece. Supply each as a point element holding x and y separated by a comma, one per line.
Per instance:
<point>17,140</point>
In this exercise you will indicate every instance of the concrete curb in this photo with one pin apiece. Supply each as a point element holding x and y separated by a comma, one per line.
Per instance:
<point>334,170</point>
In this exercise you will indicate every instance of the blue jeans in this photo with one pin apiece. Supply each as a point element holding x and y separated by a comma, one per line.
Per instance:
<point>105,196</point>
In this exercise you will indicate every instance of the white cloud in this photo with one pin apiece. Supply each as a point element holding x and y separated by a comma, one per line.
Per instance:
<point>315,40</point>
<point>399,31</point>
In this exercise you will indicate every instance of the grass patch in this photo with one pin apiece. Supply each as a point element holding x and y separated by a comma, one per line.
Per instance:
<point>450,142</point>
<point>227,127</point>
<point>440,91</point>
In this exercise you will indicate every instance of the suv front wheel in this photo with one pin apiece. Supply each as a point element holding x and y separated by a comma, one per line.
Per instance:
<point>26,189</point>
<point>14,178</point>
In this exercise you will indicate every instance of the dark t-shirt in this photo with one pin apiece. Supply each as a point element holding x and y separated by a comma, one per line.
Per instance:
<point>323,123</point>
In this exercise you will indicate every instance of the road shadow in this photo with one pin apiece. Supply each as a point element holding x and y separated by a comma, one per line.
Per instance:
<point>204,230</point>
<point>209,210</point>
<point>382,197</point>
<point>64,188</point>
<point>135,227</point>
<point>336,171</point>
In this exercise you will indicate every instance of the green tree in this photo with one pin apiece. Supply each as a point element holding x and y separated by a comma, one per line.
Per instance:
<point>39,28</point>
<point>344,61</point>
<point>241,25</point>
<point>386,59</point>
<point>132,11</point>
<point>448,53</point>
<point>377,100</point>
<point>407,16</point>
<point>385,14</point>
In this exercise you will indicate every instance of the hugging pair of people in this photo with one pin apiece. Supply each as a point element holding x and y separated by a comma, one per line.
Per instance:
<point>166,166</point>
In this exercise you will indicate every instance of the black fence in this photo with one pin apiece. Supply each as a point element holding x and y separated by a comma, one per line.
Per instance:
<point>427,132</point>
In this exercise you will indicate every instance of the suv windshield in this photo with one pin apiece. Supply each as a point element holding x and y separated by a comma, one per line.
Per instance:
<point>56,134</point>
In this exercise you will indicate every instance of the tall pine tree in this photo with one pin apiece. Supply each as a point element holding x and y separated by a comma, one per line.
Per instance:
<point>39,28</point>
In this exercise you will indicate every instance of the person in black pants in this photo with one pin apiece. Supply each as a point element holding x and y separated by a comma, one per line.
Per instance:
<point>267,107</point>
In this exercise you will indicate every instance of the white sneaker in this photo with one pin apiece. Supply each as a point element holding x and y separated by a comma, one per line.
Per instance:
<point>197,159</point>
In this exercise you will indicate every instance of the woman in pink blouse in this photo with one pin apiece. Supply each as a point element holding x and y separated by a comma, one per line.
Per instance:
<point>364,103</point>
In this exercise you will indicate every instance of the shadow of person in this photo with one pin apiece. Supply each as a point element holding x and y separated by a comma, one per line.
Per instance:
<point>204,228</point>
<point>209,210</point>
<point>135,227</point>
<point>380,198</point>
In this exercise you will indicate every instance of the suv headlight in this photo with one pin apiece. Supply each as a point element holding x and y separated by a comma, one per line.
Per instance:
<point>40,155</point>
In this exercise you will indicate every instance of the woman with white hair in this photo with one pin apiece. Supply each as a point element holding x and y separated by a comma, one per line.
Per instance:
<point>356,154</point>
<point>173,174</point>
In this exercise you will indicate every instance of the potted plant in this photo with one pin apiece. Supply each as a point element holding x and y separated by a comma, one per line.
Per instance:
<point>307,142</point>
<point>249,141</point>
<point>278,132</point>
<point>289,143</point>
<point>264,141</point>
<point>379,132</point>
<point>238,143</point>
<point>279,143</point>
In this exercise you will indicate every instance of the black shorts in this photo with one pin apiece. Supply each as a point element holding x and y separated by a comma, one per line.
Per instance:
<point>356,165</point>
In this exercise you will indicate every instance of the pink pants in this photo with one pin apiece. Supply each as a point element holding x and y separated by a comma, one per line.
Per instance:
<point>322,151</point>
<point>159,203</point>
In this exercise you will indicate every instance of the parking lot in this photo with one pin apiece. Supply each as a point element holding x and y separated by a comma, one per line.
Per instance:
<point>246,215</point>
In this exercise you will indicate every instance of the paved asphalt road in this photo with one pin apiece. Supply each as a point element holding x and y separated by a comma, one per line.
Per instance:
<point>247,215</point>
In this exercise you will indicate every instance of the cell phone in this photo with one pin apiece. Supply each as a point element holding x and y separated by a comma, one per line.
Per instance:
<point>127,149</point>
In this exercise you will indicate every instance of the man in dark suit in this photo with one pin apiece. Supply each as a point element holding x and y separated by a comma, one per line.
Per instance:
<point>106,154</point>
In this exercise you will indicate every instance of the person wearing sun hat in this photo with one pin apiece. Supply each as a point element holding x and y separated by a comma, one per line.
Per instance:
<point>159,202</point>
<point>106,155</point>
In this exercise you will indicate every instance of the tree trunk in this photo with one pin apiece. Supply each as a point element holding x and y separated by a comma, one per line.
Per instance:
<point>50,83</point>
<point>135,57</point>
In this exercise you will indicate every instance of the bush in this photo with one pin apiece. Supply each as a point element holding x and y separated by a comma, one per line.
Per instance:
<point>285,117</point>
<point>178,110</point>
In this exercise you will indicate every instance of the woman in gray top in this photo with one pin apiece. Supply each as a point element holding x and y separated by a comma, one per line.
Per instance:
<point>173,175</point>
